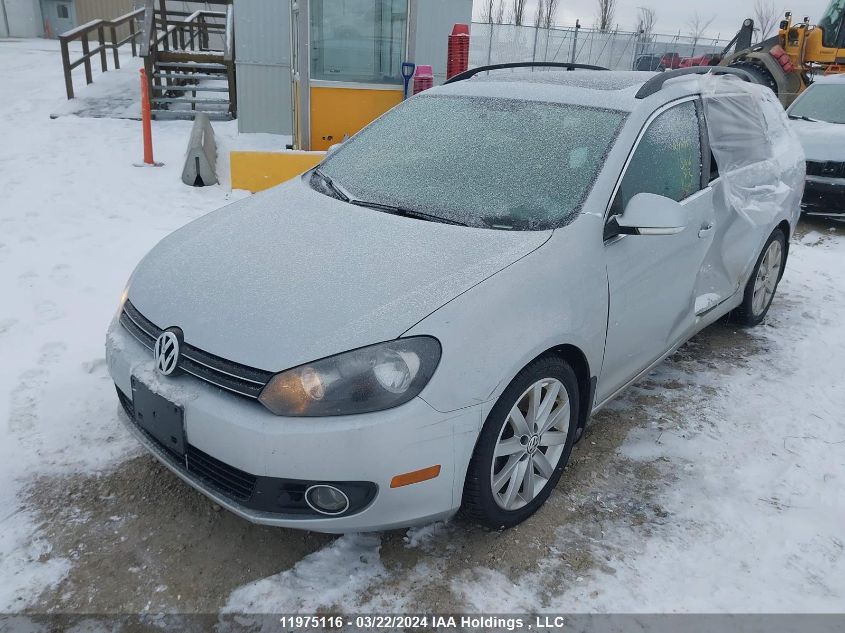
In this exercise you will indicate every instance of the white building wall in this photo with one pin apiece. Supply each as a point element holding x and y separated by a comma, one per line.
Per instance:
<point>20,18</point>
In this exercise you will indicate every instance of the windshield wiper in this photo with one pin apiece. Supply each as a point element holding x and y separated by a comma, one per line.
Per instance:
<point>405,213</point>
<point>338,192</point>
<point>803,118</point>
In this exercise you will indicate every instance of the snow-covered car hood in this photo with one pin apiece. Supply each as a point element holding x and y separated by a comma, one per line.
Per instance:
<point>290,275</point>
<point>821,141</point>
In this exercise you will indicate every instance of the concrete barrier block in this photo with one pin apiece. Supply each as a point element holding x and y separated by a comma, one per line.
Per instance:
<point>201,158</point>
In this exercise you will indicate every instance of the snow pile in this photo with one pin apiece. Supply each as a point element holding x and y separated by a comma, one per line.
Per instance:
<point>331,578</point>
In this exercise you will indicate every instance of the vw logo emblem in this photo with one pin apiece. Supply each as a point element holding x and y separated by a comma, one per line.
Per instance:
<point>166,352</point>
<point>533,443</point>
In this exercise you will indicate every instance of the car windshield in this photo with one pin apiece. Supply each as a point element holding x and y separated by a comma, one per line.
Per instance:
<point>831,22</point>
<point>822,102</point>
<point>485,162</point>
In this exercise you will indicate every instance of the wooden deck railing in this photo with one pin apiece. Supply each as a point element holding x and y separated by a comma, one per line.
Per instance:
<point>101,27</point>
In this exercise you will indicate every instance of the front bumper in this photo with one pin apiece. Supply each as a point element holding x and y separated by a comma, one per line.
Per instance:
<point>824,196</point>
<point>240,434</point>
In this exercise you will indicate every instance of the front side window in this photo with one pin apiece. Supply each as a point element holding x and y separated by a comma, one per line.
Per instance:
<point>822,102</point>
<point>358,40</point>
<point>498,163</point>
<point>62,11</point>
<point>667,161</point>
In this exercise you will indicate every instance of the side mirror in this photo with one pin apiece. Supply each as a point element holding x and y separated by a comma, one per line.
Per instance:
<point>649,214</point>
<point>336,146</point>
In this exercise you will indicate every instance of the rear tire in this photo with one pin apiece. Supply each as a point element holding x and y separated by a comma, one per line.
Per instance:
<point>524,445</point>
<point>762,285</point>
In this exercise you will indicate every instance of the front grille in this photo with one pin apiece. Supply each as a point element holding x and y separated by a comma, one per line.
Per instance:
<point>231,481</point>
<point>829,169</point>
<point>234,377</point>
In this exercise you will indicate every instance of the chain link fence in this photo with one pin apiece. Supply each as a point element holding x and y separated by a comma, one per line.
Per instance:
<point>617,50</point>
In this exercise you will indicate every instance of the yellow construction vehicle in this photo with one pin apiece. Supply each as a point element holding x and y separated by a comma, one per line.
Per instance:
<point>788,61</point>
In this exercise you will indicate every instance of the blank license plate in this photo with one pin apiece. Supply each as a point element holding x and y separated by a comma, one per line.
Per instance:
<point>159,417</point>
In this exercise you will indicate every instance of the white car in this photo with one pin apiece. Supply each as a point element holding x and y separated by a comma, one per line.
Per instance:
<point>818,118</point>
<point>427,320</point>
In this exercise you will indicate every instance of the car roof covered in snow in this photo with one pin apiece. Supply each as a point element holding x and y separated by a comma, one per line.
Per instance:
<point>597,88</point>
<point>829,79</point>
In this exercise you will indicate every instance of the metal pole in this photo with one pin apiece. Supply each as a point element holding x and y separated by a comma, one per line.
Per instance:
<point>575,41</point>
<point>534,53</point>
<point>490,45</point>
<point>145,119</point>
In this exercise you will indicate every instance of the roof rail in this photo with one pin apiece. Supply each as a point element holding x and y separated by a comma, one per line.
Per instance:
<point>655,84</point>
<point>472,72</point>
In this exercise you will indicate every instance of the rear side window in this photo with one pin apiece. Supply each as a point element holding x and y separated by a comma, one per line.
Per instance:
<point>667,161</point>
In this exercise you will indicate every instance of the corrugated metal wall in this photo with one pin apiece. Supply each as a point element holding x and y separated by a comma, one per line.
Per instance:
<point>87,10</point>
<point>262,58</point>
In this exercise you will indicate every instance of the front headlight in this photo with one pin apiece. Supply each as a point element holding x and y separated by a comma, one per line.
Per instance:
<point>122,301</point>
<point>368,379</point>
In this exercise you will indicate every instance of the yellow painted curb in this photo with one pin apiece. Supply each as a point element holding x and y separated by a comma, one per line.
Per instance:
<point>256,171</point>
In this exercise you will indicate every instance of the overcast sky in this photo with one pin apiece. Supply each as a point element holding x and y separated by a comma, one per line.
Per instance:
<point>673,15</point>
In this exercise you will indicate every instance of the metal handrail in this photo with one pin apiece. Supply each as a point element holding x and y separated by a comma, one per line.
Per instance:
<point>81,33</point>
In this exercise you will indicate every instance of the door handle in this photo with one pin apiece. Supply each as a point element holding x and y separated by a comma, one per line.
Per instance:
<point>705,229</point>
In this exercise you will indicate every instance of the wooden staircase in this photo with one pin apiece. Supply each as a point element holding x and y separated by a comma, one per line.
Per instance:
<point>190,61</point>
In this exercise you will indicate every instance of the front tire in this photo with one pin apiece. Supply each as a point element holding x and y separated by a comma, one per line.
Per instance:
<point>524,445</point>
<point>759,72</point>
<point>761,287</point>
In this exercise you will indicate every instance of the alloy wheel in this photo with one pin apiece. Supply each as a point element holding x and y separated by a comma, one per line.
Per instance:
<point>767,278</point>
<point>531,443</point>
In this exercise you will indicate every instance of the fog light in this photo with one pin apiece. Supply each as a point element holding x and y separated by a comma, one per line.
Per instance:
<point>326,499</point>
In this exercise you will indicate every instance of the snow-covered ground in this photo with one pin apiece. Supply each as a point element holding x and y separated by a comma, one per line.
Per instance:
<point>717,484</point>
<point>75,215</point>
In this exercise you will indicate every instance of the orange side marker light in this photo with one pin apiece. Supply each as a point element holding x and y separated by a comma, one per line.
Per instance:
<point>415,477</point>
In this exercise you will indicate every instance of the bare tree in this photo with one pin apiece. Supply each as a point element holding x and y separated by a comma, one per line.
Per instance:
<point>551,13</point>
<point>646,19</point>
<point>697,26</point>
<point>540,15</point>
<point>765,16</point>
<point>607,10</point>
<point>518,8</point>
<point>499,17</point>
<point>487,12</point>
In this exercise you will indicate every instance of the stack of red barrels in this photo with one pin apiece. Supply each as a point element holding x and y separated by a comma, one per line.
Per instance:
<point>458,55</point>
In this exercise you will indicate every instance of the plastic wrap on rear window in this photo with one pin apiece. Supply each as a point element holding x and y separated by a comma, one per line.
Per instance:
<point>760,159</point>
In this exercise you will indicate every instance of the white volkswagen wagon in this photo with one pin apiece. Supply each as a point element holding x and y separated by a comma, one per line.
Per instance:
<point>427,320</point>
